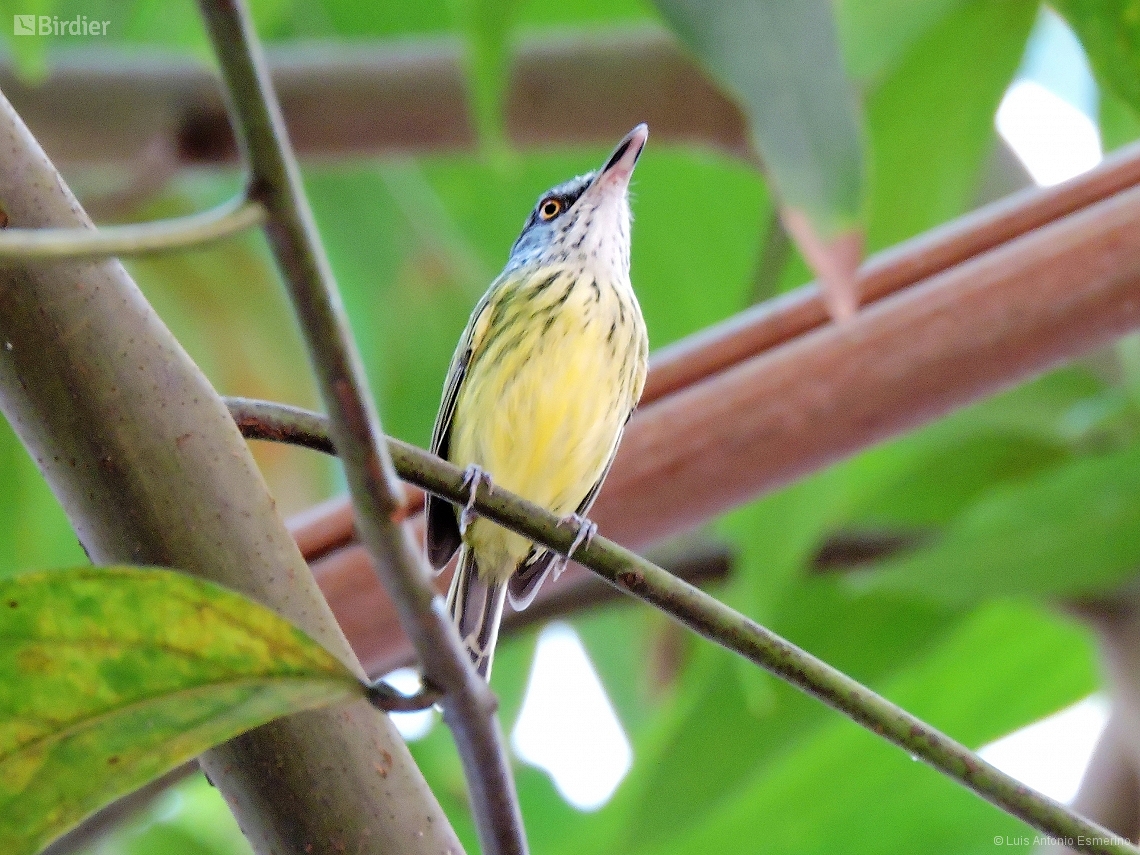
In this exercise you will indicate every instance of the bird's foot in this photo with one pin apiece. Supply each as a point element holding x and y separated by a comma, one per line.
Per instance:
<point>583,536</point>
<point>473,476</point>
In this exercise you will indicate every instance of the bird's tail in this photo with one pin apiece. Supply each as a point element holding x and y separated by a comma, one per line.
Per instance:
<point>476,606</point>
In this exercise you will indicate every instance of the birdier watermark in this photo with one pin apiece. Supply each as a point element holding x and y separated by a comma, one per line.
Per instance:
<point>53,25</point>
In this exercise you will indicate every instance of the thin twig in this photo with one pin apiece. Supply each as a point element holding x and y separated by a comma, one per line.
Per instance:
<point>194,230</point>
<point>469,706</point>
<point>384,697</point>
<point>283,423</point>
<point>715,621</point>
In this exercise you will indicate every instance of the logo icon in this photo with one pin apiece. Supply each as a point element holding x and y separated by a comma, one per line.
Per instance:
<point>24,25</point>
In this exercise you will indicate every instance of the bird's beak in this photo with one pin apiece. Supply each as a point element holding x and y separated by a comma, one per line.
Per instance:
<point>619,167</point>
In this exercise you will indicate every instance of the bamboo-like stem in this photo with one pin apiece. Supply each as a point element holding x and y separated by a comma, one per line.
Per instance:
<point>711,619</point>
<point>193,230</point>
<point>469,705</point>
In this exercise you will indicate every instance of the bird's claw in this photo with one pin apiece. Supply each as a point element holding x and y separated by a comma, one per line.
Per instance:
<point>583,536</point>
<point>473,476</point>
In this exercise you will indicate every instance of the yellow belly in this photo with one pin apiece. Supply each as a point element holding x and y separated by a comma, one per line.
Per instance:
<point>543,419</point>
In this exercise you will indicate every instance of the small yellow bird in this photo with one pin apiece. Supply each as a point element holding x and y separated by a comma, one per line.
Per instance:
<point>543,381</point>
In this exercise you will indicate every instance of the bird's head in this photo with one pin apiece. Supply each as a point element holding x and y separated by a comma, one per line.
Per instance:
<point>585,220</point>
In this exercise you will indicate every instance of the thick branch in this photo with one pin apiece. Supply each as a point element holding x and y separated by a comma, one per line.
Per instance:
<point>469,706</point>
<point>716,622</point>
<point>975,329</point>
<point>339,100</point>
<point>146,462</point>
<point>136,239</point>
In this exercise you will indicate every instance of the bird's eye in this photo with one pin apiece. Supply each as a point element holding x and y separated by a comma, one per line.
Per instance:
<point>549,209</point>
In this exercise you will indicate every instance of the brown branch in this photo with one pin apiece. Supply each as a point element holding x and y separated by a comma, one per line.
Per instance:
<point>947,341</point>
<point>338,100</point>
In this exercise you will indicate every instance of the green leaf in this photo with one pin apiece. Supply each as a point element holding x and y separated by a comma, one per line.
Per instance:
<point>1119,124</point>
<point>34,532</point>
<point>1109,30</point>
<point>931,122</point>
<point>28,52</point>
<point>111,676</point>
<point>782,61</point>
<point>1070,529</point>
<point>876,34</point>
<point>774,537</point>
<point>927,479</point>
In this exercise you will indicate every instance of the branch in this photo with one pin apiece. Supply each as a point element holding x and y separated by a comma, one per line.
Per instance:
<point>135,239</point>
<point>367,617</point>
<point>145,460</point>
<point>711,619</point>
<point>731,432</point>
<point>343,100</point>
<point>289,425</point>
<point>363,609</point>
<point>469,706</point>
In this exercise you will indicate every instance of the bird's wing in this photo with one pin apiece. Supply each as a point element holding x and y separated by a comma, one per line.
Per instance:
<point>442,525</point>
<point>532,572</point>
<point>441,531</point>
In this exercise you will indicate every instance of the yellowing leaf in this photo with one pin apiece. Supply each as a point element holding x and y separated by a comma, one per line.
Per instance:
<point>109,677</point>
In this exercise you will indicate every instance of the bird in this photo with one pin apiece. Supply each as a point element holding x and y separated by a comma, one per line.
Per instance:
<point>544,378</point>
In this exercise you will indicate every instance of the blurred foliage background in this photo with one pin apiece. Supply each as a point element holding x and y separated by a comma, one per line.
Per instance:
<point>1014,504</point>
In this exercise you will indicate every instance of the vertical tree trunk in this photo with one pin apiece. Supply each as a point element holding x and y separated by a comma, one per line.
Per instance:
<point>150,469</point>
